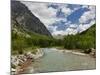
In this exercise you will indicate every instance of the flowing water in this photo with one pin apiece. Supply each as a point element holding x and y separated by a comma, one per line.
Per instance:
<point>54,61</point>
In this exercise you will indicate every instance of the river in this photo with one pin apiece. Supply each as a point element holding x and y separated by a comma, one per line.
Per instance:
<point>54,61</point>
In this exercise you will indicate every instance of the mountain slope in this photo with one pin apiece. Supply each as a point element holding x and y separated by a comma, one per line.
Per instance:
<point>84,40</point>
<point>21,17</point>
<point>90,32</point>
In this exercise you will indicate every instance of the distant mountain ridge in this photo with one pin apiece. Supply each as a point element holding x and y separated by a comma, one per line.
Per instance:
<point>83,40</point>
<point>23,19</point>
<point>90,31</point>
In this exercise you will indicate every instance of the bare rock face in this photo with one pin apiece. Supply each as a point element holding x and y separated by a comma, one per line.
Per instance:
<point>22,17</point>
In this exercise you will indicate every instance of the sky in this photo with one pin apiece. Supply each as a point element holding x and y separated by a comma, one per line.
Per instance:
<point>62,18</point>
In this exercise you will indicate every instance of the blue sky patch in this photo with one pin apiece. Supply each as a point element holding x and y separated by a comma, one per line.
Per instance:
<point>73,6</point>
<point>74,17</point>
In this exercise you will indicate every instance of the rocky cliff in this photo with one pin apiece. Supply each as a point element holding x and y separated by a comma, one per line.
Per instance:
<point>22,18</point>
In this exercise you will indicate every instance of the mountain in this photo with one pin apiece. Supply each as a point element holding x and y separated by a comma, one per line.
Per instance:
<point>23,20</point>
<point>91,31</point>
<point>84,40</point>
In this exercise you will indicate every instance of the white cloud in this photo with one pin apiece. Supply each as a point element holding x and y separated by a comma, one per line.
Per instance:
<point>66,32</point>
<point>69,30</point>
<point>73,29</point>
<point>66,11</point>
<point>55,31</point>
<point>45,14</point>
<point>83,27</point>
<point>41,10</point>
<point>89,15</point>
<point>73,26</point>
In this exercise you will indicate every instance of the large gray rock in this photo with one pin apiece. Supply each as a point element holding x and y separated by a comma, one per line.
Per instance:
<point>22,17</point>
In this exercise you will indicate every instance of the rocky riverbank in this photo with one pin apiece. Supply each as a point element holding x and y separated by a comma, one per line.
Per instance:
<point>20,62</point>
<point>91,52</point>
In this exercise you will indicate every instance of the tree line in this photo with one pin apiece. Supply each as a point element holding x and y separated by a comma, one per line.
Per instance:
<point>84,40</point>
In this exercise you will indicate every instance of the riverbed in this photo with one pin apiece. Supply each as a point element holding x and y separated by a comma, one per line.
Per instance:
<point>55,60</point>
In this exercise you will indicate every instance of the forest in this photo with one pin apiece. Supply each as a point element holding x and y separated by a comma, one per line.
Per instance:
<point>28,40</point>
